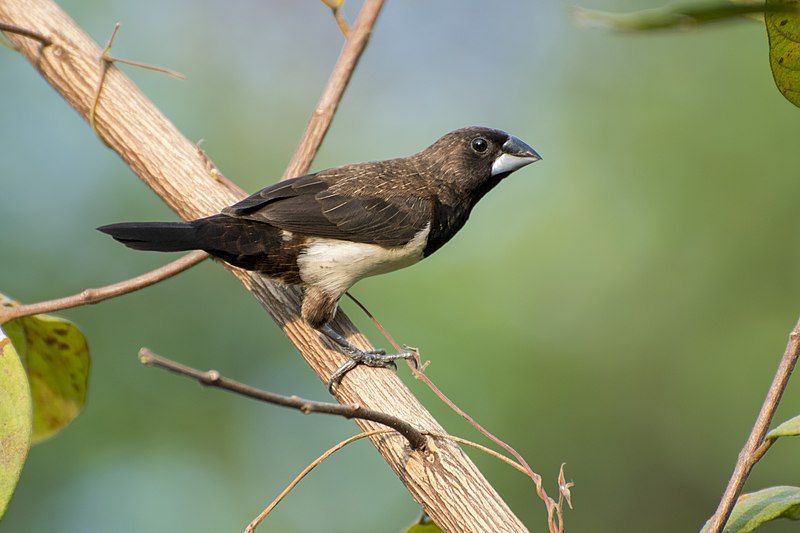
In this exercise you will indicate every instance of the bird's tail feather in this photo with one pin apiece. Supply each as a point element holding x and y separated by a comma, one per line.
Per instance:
<point>156,236</point>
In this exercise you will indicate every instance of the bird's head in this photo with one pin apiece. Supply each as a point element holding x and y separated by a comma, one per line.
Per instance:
<point>473,160</point>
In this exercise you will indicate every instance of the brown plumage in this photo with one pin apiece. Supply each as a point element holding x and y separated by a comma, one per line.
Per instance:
<point>327,230</point>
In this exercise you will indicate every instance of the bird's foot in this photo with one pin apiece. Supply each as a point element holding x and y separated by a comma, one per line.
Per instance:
<point>372,358</point>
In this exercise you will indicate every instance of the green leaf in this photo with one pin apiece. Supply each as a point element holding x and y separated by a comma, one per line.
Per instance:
<point>674,16</point>
<point>756,508</point>
<point>56,357</point>
<point>783,30</point>
<point>15,420</point>
<point>790,428</point>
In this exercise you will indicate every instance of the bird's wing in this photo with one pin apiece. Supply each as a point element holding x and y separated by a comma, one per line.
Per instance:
<point>310,205</point>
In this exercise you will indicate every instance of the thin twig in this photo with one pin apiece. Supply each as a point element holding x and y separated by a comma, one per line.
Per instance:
<point>336,9</point>
<point>755,447</point>
<point>480,447</point>
<point>318,461</point>
<point>96,295</point>
<point>104,66</point>
<point>147,66</point>
<point>550,504</point>
<point>341,21</point>
<point>35,35</point>
<point>334,90</point>
<point>212,378</point>
<point>106,60</point>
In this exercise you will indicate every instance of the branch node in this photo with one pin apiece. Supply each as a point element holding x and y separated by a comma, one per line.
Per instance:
<point>211,377</point>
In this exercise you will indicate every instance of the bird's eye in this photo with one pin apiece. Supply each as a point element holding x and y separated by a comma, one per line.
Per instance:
<point>479,144</point>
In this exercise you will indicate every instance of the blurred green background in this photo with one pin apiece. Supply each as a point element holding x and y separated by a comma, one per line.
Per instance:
<point>620,306</point>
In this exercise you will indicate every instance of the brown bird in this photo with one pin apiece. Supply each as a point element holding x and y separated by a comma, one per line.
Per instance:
<point>327,230</point>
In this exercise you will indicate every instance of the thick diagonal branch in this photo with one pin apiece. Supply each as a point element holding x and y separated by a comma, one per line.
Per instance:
<point>443,480</point>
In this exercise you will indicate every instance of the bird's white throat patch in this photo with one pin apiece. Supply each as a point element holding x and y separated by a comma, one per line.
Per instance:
<point>509,163</point>
<point>334,265</point>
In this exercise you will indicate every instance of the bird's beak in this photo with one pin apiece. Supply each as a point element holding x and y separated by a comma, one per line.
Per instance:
<point>516,154</point>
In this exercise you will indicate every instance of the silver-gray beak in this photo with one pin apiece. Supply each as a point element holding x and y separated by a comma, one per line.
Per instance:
<point>516,154</point>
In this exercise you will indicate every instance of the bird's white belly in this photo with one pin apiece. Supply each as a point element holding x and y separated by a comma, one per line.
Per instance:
<point>334,265</point>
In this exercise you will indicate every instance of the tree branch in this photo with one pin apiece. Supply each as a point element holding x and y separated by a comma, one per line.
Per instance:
<point>334,89</point>
<point>212,378</point>
<point>755,447</point>
<point>445,482</point>
<point>97,295</point>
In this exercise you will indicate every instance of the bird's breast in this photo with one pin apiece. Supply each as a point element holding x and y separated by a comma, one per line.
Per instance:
<point>335,265</point>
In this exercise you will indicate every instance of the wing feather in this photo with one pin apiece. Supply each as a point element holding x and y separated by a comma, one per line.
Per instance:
<point>310,205</point>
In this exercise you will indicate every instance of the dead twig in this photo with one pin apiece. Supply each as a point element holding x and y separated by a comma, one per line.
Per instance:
<point>96,295</point>
<point>212,378</point>
<point>553,508</point>
<point>35,35</point>
<point>755,447</point>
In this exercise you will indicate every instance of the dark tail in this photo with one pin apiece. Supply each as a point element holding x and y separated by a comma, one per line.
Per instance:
<point>156,236</point>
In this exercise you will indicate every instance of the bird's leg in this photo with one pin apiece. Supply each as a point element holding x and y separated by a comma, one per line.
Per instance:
<point>357,356</point>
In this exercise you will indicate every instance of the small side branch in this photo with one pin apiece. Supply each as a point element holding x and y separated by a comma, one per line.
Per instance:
<point>755,447</point>
<point>93,296</point>
<point>332,94</point>
<point>336,9</point>
<point>212,378</point>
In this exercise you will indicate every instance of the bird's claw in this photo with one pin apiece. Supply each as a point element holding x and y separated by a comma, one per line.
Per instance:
<point>372,358</point>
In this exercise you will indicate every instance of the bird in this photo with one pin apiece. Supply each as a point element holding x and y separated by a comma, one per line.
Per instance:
<point>327,230</point>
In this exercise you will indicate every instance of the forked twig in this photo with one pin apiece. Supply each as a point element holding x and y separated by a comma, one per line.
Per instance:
<point>550,504</point>
<point>96,295</point>
<point>106,60</point>
<point>212,378</point>
<point>755,447</point>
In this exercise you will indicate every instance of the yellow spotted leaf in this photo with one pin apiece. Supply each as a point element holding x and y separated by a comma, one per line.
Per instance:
<point>15,420</point>
<point>56,358</point>
<point>783,30</point>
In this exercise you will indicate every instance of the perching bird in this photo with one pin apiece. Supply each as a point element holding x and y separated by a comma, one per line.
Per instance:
<point>327,230</point>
